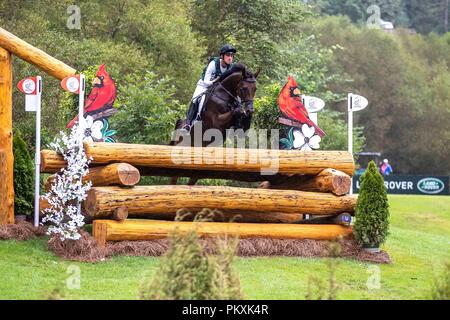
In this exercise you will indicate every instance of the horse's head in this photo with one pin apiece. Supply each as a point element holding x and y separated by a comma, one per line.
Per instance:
<point>247,90</point>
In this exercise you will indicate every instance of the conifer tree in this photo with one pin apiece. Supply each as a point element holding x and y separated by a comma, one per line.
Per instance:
<point>372,209</point>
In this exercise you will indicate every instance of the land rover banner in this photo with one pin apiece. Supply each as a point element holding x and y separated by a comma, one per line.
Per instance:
<point>405,184</point>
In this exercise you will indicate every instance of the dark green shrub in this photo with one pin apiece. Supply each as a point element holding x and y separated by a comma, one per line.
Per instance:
<point>372,209</point>
<point>187,272</point>
<point>23,176</point>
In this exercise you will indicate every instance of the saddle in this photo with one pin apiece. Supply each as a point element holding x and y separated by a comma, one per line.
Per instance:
<point>195,104</point>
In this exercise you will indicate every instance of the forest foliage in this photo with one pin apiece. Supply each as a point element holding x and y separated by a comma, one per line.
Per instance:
<point>155,51</point>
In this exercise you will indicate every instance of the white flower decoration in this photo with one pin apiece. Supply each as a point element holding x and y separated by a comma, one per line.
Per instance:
<point>306,139</point>
<point>68,189</point>
<point>92,130</point>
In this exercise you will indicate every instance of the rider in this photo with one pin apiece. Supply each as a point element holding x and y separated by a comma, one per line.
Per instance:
<point>216,66</point>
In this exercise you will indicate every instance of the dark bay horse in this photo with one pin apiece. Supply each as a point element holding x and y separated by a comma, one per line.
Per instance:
<point>228,103</point>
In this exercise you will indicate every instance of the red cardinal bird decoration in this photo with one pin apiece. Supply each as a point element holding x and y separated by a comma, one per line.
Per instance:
<point>291,106</point>
<point>101,98</point>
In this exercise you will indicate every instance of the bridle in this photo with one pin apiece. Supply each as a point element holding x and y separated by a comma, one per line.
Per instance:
<point>237,99</point>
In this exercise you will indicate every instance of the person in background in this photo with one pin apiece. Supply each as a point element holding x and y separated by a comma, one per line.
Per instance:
<point>386,168</point>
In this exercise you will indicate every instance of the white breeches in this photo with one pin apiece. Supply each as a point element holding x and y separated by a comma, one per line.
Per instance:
<point>198,91</point>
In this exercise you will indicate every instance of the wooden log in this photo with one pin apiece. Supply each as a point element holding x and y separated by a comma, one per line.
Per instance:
<point>120,174</point>
<point>51,161</point>
<point>35,56</point>
<point>7,200</point>
<point>328,180</point>
<point>222,159</point>
<point>232,216</point>
<point>109,230</point>
<point>343,219</point>
<point>204,174</point>
<point>43,204</point>
<point>120,213</point>
<point>3,189</point>
<point>144,200</point>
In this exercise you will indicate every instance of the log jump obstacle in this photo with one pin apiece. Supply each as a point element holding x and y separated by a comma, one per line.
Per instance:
<point>306,183</point>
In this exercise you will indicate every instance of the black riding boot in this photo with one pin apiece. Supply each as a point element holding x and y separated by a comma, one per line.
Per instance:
<point>191,113</point>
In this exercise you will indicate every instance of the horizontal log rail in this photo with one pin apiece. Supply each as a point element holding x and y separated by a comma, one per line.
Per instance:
<point>131,229</point>
<point>120,174</point>
<point>35,56</point>
<point>165,199</point>
<point>265,162</point>
<point>222,159</point>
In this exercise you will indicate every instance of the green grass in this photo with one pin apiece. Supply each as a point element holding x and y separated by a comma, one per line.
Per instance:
<point>419,244</point>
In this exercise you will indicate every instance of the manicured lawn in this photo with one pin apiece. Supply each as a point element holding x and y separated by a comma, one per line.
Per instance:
<point>419,244</point>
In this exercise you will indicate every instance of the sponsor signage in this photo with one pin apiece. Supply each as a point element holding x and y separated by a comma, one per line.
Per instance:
<point>408,184</point>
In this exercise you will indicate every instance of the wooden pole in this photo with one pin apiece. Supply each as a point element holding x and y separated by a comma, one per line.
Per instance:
<point>51,161</point>
<point>109,230</point>
<point>328,180</point>
<point>120,174</point>
<point>120,213</point>
<point>43,204</point>
<point>156,160</point>
<point>343,219</point>
<point>230,216</point>
<point>35,56</point>
<point>222,216</point>
<point>222,159</point>
<point>3,190</point>
<point>7,201</point>
<point>144,200</point>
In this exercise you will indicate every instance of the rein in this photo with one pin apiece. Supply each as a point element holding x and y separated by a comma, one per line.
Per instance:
<point>229,93</point>
<point>237,99</point>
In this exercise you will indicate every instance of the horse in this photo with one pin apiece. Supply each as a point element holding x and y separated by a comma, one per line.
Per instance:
<point>228,103</point>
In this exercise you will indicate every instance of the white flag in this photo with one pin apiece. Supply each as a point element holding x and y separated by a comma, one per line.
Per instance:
<point>357,102</point>
<point>313,104</point>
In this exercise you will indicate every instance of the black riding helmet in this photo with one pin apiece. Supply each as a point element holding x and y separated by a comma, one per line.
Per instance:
<point>227,48</point>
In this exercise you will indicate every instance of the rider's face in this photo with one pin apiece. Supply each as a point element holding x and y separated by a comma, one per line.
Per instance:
<point>228,57</point>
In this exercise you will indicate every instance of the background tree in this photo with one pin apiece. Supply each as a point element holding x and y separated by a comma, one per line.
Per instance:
<point>261,30</point>
<point>428,16</point>
<point>404,77</point>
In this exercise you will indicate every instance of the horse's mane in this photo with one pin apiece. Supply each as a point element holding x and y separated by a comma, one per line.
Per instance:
<point>235,68</point>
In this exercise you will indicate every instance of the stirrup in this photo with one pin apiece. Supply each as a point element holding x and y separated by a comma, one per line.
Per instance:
<point>186,128</point>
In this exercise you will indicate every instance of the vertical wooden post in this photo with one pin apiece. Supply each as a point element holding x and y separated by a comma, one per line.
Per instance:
<point>7,165</point>
<point>3,192</point>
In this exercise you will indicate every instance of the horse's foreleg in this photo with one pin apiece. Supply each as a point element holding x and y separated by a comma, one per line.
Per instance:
<point>173,180</point>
